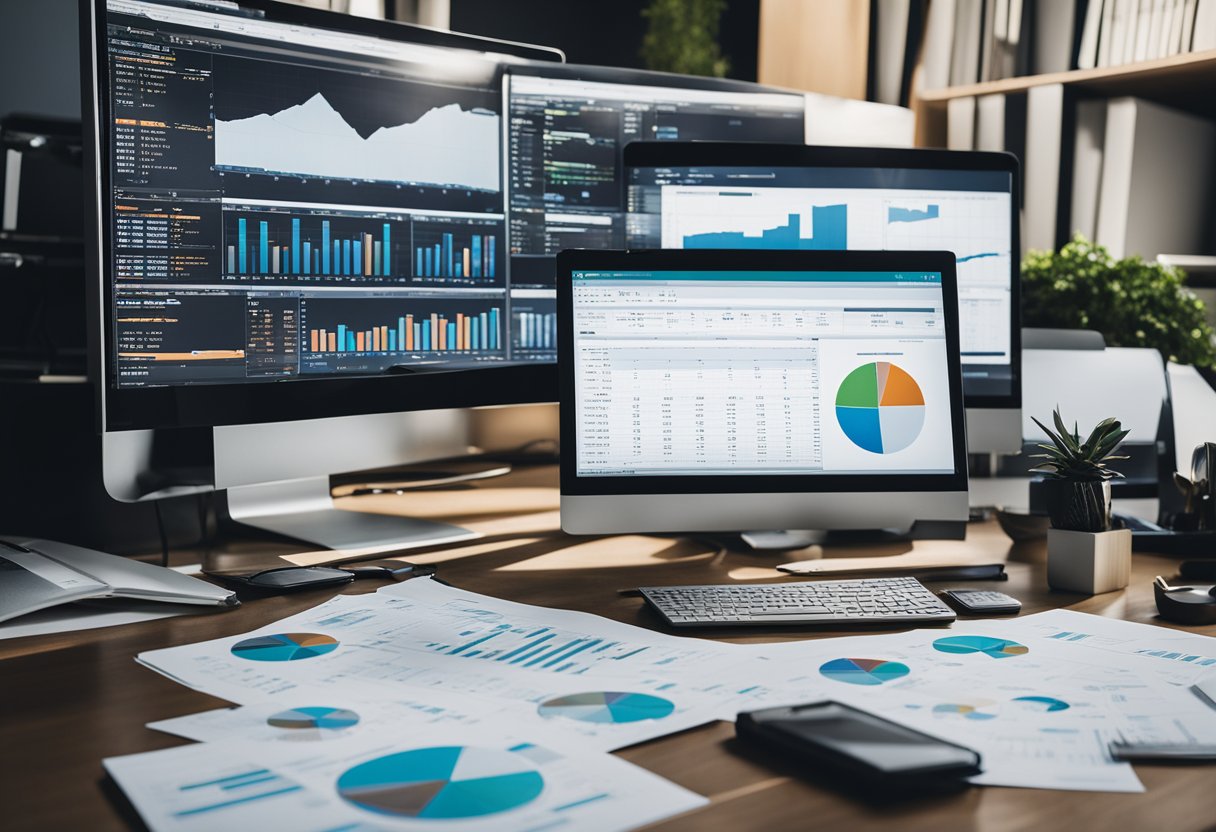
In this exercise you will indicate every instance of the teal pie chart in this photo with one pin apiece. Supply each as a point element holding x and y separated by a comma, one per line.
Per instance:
<point>442,783</point>
<point>997,648</point>
<point>285,647</point>
<point>607,707</point>
<point>1042,704</point>
<point>863,671</point>
<point>314,717</point>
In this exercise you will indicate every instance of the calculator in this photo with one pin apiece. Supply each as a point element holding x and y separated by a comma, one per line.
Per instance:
<point>981,601</point>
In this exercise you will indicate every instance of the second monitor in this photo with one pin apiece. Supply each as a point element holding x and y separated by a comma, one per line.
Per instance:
<point>754,196</point>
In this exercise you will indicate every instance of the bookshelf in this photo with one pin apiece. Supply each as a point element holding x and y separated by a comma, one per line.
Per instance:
<point>1186,81</point>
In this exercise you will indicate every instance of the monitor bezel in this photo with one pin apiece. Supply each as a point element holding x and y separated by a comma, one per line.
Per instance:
<point>209,405</point>
<point>769,260</point>
<point>759,154</point>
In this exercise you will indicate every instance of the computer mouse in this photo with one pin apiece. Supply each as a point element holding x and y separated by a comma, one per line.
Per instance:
<point>1190,604</point>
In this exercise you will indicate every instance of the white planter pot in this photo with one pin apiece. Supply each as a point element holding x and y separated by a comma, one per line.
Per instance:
<point>1089,562</point>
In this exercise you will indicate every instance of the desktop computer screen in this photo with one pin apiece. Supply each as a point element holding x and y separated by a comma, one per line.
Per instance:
<point>567,129</point>
<point>755,374</point>
<point>289,202</point>
<point>695,196</point>
<point>298,251</point>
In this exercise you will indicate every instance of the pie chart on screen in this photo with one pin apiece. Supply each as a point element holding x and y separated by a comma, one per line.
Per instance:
<point>880,407</point>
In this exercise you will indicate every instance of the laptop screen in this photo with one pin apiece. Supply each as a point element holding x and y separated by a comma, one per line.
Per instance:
<point>698,372</point>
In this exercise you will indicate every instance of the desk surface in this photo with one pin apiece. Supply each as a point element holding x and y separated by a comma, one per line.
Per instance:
<point>68,701</point>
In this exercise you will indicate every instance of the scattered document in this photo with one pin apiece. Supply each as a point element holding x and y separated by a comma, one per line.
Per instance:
<point>70,618</point>
<point>1041,697</point>
<point>462,780</point>
<point>581,676</point>
<point>1180,658</point>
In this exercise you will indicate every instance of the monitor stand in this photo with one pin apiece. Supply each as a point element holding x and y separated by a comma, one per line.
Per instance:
<point>303,509</point>
<point>790,539</point>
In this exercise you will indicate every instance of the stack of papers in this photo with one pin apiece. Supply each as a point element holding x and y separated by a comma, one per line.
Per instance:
<point>422,701</point>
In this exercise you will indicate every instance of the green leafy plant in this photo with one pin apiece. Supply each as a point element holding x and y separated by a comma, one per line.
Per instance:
<point>682,36</point>
<point>1069,458</point>
<point>1131,302</point>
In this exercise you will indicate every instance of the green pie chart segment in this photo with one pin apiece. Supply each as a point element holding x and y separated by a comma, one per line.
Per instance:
<point>285,647</point>
<point>607,707</point>
<point>442,783</point>
<point>863,671</point>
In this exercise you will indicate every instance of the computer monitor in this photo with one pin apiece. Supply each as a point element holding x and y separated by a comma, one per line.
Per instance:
<point>298,248</point>
<point>755,196</point>
<point>727,391</point>
<point>569,126</point>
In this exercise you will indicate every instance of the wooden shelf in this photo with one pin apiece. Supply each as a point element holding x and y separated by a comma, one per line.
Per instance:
<point>1187,82</point>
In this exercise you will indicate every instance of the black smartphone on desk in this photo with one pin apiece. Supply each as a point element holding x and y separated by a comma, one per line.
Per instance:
<point>856,747</point>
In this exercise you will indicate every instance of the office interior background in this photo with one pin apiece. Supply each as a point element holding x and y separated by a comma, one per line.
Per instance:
<point>1087,287</point>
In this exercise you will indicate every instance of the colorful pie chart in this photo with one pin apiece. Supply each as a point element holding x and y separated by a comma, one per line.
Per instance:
<point>880,407</point>
<point>285,647</point>
<point>863,671</point>
<point>607,707</point>
<point>997,648</point>
<point>1042,704</point>
<point>976,712</point>
<point>442,783</point>
<point>303,718</point>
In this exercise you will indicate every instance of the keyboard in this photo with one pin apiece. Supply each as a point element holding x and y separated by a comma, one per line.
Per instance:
<point>865,601</point>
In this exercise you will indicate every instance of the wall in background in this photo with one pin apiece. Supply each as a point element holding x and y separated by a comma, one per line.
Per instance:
<point>39,58</point>
<point>600,33</point>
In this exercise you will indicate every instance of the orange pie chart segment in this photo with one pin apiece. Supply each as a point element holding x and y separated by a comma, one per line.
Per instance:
<point>897,388</point>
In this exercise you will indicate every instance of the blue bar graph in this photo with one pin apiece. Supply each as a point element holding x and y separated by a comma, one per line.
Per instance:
<point>264,247</point>
<point>896,214</point>
<point>829,229</point>
<point>242,244</point>
<point>307,257</point>
<point>385,260</point>
<point>295,245</point>
<point>325,246</point>
<point>472,256</point>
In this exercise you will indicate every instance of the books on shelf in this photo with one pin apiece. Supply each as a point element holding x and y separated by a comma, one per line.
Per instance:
<point>1089,141</point>
<point>969,41</point>
<point>960,123</point>
<point>1156,168</point>
<point>1049,149</point>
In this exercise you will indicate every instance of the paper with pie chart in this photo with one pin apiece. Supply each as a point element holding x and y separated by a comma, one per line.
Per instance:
<point>481,779</point>
<point>880,407</point>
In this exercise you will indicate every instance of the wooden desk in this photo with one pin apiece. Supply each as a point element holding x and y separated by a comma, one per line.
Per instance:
<point>68,701</point>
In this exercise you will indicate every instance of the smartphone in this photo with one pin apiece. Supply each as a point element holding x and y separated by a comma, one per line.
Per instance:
<point>847,743</point>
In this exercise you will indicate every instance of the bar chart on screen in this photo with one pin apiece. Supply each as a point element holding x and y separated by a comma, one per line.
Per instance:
<point>391,325</point>
<point>312,247</point>
<point>468,249</point>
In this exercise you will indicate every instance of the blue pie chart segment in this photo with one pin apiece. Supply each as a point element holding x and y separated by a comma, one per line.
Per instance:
<point>997,648</point>
<point>285,647</point>
<point>324,718</point>
<point>607,707</point>
<point>442,783</point>
<point>1042,703</point>
<point>863,671</point>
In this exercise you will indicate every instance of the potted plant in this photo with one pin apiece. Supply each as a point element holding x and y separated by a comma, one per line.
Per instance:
<point>1133,303</point>
<point>1084,553</point>
<point>1077,479</point>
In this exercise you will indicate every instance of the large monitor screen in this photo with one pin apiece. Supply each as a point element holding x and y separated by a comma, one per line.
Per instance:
<point>564,165</point>
<point>743,372</point>
<point>858,205</point>
<point>288,202</point>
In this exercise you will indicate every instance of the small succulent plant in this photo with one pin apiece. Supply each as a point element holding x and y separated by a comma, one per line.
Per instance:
<point>1070,458</point>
